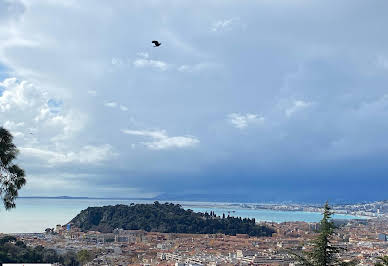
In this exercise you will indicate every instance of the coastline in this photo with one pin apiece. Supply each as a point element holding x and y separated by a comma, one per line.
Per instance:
<point>292,207</point>
<point>37,214</point>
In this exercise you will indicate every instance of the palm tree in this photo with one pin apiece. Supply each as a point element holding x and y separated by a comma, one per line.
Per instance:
<point>11,175</point>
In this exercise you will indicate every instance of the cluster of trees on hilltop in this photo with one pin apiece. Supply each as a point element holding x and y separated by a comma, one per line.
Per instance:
<point>16,251</point>
<point>165,218</point>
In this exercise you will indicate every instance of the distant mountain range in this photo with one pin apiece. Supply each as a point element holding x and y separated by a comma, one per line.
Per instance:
<point>55,197</point>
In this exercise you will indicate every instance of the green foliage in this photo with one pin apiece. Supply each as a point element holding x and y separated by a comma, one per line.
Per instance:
<point>11,175</point>
<point>70,259</point>
<point>323,252</point>
<point>84,256</point>
<point>7,239</point>
<point>384,261</point>
<point>349,263</point>
<point>165,218</point>
<point>15,251</point>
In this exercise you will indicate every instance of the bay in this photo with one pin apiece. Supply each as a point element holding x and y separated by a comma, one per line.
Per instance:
<point>34,215</point>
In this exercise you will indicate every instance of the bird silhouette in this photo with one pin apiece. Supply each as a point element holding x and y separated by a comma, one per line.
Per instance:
<point>156,43</point>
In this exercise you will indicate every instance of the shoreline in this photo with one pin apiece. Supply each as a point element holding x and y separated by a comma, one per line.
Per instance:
<point>282,207</point>
<point>35,215</point>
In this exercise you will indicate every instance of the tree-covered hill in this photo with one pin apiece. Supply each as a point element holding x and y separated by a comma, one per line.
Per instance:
<point>165,218</point>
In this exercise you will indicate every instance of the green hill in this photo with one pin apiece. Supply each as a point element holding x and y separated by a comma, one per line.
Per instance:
<point>165,218</point>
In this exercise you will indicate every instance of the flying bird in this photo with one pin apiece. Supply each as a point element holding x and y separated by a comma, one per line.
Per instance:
<point>156,43</point>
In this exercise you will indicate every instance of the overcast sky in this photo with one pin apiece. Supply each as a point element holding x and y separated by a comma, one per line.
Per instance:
<point>260,100</point>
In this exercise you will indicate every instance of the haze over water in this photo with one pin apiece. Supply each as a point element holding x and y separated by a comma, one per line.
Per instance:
<point>34,215</point>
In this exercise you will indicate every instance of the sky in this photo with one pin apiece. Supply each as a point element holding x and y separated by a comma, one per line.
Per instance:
<point>244,100</point>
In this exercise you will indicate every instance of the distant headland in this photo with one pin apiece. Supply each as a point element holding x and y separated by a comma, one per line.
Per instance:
<point>164,218</point>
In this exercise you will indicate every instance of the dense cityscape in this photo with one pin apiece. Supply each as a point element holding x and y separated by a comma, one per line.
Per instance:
<point>372,209</point>
<point>363,241</point>
<point>193,132</point>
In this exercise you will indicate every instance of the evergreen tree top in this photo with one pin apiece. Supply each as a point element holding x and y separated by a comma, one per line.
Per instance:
<point>323,252</point>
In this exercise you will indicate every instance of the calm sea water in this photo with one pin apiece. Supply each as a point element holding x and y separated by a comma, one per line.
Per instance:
<point>35,215</point>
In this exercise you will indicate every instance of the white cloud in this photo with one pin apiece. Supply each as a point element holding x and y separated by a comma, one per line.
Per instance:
<point>18,94</point>
<point>17,134</point>
<point>26,102</point>
<point>115,104</point>
<point>157,134</point>
<point>197,67</point>
<point>70,123</point>
<point>10,125</point>
<point>224,25</point>
<point>185,68</point>
<point>297,107</point>
<point>87,155</point>
<point>142,63</point>
<point>44,111</point>
<point>111,104</point>
<point>143,54</point>
<point>162,140</point>
<point>116,61</point>
<point>244,120</point>
<point>172,142</point>
<point>123,108</point>
<point>13,127</point>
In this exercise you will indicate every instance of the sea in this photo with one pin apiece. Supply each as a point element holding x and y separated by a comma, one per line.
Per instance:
<point>34,215</point>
